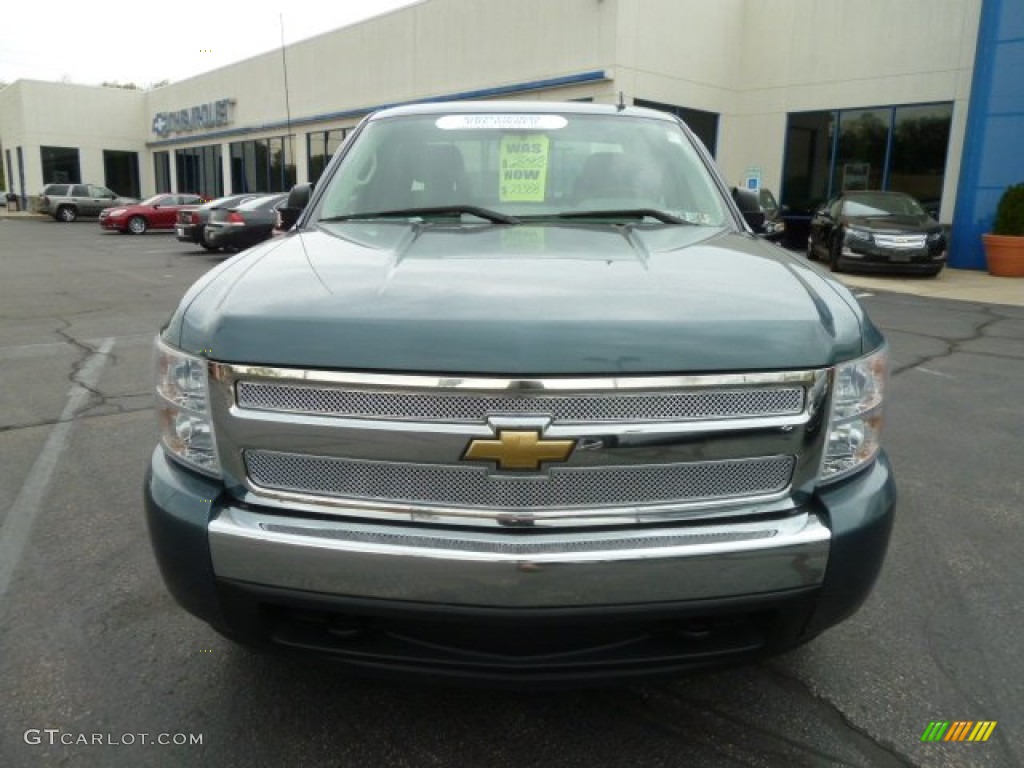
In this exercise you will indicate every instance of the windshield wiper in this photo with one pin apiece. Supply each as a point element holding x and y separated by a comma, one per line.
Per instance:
<point>625,213</point>
<point>441,210</point>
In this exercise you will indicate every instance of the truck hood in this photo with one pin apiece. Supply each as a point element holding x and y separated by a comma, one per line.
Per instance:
<point>527,300</point>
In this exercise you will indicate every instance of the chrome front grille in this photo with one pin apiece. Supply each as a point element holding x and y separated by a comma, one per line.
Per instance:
<point>393,447</point>
<point>475,408</point>
<point>454,486</point>
<point>900,241</point>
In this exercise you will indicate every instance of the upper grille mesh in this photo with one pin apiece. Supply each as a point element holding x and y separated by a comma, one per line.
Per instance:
<point>477,487</point>
<point>674,406</point>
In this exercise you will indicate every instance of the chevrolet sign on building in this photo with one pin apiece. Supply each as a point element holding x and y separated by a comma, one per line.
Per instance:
<point>203,116</point>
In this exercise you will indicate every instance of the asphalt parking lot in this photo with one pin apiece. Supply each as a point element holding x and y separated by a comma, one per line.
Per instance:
<point>96,661</point>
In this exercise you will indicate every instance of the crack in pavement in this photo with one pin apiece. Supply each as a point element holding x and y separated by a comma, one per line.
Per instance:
<point>97,398</point>
<point>952,345</point>
<point>80,416</point>
<point>877,752</point>
<point>770,743</point>
<point>643,714</point>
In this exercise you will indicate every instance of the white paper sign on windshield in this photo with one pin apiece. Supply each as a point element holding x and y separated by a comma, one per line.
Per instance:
<point>501,122</point>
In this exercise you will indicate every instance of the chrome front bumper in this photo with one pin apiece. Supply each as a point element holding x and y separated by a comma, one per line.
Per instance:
<point>504,569</point>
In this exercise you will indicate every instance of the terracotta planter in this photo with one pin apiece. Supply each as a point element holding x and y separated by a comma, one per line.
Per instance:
<point>1004,255</point>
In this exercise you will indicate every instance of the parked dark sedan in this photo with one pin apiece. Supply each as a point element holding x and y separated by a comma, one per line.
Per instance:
<point>773,227</point>
<point>192,221</point>
<point>885,231</point>
<point>244,225</point>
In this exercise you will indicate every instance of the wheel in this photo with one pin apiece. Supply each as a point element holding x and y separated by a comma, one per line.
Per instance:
<point>207,244</point>
<point>67,213</point>
<point>834,252</point>
<point>137,225</point>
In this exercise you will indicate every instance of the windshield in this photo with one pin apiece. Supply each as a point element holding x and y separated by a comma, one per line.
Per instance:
<point>154,200</point>
<point>883,205</point>
<point>518,166</point>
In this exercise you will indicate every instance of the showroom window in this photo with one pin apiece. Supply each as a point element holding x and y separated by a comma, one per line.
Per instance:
<point>199,171</point>
<point>704,124</point>
<point>896,148</point>
<point>121,172</point>
<point>917,161</point>
<point>320,148</point>
<point>60,165</point>
<point>262,165</point>
<point>162,171</point>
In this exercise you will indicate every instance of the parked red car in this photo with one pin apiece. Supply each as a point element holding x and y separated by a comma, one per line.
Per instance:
<point>158,212</point>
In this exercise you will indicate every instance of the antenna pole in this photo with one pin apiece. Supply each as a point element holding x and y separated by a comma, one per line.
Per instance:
<point>287,102</point>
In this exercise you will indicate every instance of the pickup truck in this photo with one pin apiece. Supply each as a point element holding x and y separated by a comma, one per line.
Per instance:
<point>520,398</point>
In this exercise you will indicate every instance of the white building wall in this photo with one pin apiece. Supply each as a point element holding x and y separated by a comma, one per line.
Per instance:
<point>432,48</point>
<point>680,52</point>
<point>751,61</point>
<point>803,55</point>
<point>64,115</point>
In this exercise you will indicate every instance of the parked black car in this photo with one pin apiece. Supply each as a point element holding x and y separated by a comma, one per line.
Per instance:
<point>243,225</point>
<point>773,227</point>
<point>885,231</point>
<point>192,221</point>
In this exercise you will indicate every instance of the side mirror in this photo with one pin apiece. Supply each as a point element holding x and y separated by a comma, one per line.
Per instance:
<point>298,199</point>
<point>750,207</point>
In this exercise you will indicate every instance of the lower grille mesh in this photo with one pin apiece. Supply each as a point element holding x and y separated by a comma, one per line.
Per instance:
<point>476,487</point>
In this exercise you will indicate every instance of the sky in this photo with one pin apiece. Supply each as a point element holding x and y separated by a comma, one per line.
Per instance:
<point>147,41</point>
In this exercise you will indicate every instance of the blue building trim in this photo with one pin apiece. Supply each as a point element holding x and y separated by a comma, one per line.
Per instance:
<point>992,158</point>
<point>480,93</point>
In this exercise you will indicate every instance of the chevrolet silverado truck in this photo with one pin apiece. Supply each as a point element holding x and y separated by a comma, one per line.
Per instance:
<point>520,397</point>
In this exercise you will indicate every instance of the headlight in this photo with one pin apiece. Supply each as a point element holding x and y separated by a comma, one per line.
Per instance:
<point>183,409</point>
<point>933,236</point>
<point>858,234</point>
<point>855,426</point>
<point>116,212</point>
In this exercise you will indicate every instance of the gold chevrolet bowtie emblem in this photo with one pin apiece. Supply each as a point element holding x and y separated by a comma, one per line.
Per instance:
<point>523,450</point>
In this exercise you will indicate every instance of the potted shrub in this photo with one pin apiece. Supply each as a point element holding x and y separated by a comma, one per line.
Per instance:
<point>1004,247</point>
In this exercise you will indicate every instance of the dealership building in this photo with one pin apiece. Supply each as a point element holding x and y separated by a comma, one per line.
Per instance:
<point>804,97</point>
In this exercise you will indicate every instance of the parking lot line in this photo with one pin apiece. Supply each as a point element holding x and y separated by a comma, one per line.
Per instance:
<point>17,526</point>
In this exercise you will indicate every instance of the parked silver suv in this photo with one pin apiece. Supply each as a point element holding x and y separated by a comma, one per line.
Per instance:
<point>66,202</point>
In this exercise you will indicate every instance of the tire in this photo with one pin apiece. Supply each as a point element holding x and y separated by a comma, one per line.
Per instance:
<point>137,225</point>
<point>833,254</point>
<point>207,245</point>
<point>67,214</point>
<point>811,255</point>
